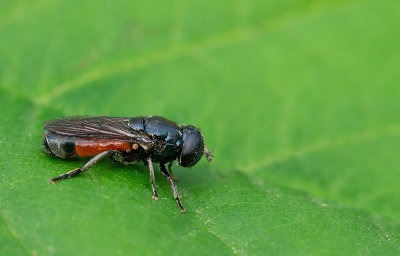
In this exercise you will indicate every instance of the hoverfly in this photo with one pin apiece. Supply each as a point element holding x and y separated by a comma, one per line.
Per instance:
<point>125,140</point>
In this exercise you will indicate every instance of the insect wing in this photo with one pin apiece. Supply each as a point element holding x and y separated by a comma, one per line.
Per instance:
<point>97,127</point>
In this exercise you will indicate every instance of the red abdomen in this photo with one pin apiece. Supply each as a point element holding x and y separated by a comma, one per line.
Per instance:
<point>69,147</point>
<point>92,147</point>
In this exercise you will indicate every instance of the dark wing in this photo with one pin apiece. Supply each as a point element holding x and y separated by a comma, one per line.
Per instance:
<point>97,127</point>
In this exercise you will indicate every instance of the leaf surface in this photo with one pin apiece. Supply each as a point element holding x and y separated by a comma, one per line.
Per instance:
<point>297,99</point>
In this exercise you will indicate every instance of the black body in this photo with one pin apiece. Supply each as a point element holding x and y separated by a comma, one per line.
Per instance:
<point>150,138</point>
<point>165,134</point>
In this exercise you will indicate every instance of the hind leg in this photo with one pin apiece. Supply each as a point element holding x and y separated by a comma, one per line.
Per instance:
<point>77,171</point>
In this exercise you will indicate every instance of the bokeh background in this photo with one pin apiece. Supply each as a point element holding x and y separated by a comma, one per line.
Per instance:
<point>298,99</point>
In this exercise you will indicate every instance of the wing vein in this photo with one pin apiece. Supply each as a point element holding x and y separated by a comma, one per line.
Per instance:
<point>116,128</point>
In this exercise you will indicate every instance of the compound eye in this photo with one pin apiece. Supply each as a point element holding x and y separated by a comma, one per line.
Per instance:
<point>193,147</point>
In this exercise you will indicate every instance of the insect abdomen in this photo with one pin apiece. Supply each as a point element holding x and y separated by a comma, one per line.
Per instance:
<point>63,147</point>
<point>68,147</point>
<point>91,147</point>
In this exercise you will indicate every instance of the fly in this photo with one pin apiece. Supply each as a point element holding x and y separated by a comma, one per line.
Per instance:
<point>127,140</point>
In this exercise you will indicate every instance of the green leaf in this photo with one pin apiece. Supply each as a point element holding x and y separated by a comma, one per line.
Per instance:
<point>299,101</point>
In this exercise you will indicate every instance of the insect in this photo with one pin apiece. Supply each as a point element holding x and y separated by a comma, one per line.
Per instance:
<point>127,140</point>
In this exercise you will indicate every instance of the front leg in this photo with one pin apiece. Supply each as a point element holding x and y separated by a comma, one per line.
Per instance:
<point>170,171</point>
<point>153,184</point>
<point>164,172</point>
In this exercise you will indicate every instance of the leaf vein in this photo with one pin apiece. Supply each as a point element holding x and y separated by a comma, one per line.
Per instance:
<point>14,235</point>
<point>213,233</point>
<point>323,145</point>
<point>216,41</point>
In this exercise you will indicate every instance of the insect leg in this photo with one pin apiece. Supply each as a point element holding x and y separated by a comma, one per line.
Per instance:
<point>164,172</point>
<point>170,171</point>
<point>153,184</point>
<point>77,171</point>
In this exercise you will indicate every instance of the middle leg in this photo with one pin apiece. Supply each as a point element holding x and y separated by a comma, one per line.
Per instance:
<point>153,184</point>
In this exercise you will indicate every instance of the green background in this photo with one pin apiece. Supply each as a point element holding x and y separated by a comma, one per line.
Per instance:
<point>299,101</point>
